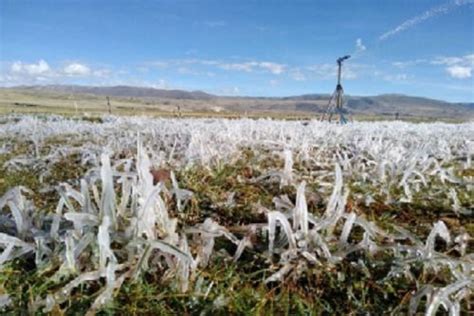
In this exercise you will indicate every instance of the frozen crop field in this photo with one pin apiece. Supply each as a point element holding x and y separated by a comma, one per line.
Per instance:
<point>246,216</point>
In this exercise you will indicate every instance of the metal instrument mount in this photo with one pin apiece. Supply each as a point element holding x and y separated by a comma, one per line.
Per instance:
<point>335,103</point>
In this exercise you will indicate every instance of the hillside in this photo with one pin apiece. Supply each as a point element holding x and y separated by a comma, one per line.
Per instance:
<point>123,91</point>
<point>192,101</point>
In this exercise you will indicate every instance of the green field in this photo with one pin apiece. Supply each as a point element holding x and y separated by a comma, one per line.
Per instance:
<point>229,196</point>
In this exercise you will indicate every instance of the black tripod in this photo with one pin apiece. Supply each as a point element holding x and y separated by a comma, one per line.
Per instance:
<point>336,101</point>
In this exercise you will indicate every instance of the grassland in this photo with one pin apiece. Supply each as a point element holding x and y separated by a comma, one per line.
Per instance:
<point>237,173</point>
<point>88,105</point>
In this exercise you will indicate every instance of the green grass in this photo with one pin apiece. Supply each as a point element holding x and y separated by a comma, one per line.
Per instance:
<point>353,286</point>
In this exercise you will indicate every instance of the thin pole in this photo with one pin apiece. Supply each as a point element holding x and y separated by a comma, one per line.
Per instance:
<point>339,64</point>
<point>108,105</point>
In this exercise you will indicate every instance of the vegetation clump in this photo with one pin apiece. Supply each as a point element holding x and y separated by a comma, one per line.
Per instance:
<point>245,217</point>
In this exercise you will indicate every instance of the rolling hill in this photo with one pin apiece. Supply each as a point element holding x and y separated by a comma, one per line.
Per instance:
<point>169,100</point>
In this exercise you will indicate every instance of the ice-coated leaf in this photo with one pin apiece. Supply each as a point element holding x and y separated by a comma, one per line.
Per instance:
<point>184,268</point>
<point>83,243</point>
<point>181,195</point>
<point>7,240</point>
<point>5,301</point>
<point>320,245</point>
<point>442,296</point>
<point>280,274</point>
<point>243,243</point>
<point>18,207</point>
<point>56,219</point>
<point>172,250</point>
<point>346,230</point>
<point>300,213</point>
<point>6,255</point>
<point>43,252</point>
<point>273,218</point>
<point>415,300</point>
<point>70,263</point>
<point>287,176</point>
<point>82,219</point>
<point>108,193</point>
<point>462,241</point>
<point>107,295</point>
<point>103,240</point>
<point>439,229</point>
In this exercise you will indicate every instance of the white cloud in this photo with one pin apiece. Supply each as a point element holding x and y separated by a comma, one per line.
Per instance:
<point>214,24</point>
<point>274,82</point>
<point>329,71</point>
<point>205,67</point>
<point>19,72</point>
<point>250,66</point>
<point>76,69</point>
<point>161,84</point>
<point>101,73</point>
<point>159,64</point>
<point>408,63</point>
<point>20,68</point>
<point>184,65</point>
<point>396,77</point>
<point>466,60</point>
<point>447,60</point>
<point>459,72</point>
<point>359,46</point>
<point>274,68</point>
<point>185,70</point>
<point>298,75</point>
<point>457,67</point>
<point>247,67</point>
<point>435,11</point>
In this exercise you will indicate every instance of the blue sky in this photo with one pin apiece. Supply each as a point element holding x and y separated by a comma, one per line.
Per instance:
<point>257,48</point>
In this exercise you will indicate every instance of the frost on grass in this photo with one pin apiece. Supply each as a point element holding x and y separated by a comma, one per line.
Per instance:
<point>114,225</point>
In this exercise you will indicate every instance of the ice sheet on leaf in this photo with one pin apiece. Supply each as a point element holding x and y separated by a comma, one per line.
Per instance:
<point>439,229</point>
<point>275,217</point>
<point>300,212</point>
<point>9,243</point>
<point>208,231</point>
<point>182,195</point>
<point>103,240</point>
<point>108,193</point>
<point>5,301</point>
<point>287,175</point>
<point>19,207</point>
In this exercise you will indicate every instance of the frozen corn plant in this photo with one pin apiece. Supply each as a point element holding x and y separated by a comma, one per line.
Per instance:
<point>276,204</point>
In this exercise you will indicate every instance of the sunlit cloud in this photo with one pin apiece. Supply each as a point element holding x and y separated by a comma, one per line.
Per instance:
<point>459,72</point>
<point>396,78</point>
<point>244,66</point>
<point>457,67</point>
<point>432,12</point>
<point>359,46</point>
<point>30,69</point>
<point>76,69</point>
<point>20,72</point>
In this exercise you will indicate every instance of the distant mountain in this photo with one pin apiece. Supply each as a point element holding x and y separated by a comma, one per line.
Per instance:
<point>409,105</point>
<point>123,91</point>
<point>385,105</point>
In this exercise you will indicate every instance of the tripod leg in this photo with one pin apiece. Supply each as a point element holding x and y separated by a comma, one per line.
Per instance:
<point>330,106</point>
<point>340,100</point>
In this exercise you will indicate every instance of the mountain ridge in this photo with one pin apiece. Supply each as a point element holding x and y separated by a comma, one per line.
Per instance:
<point>383,104</point>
